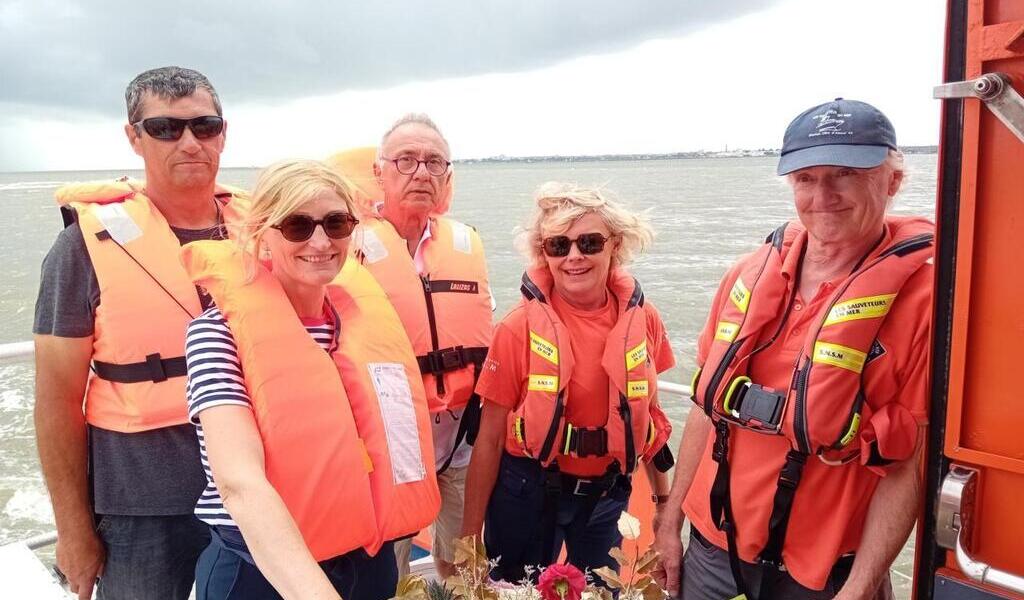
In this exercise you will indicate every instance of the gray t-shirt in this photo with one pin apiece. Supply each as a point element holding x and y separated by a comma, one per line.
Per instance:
<point>154,472</point>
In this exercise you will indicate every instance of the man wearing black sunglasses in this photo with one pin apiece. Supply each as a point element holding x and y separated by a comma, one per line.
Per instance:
<point>124,476</point>
<point>435,274</point>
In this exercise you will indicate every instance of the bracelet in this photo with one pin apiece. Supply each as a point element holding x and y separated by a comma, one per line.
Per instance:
<point>659,499</point>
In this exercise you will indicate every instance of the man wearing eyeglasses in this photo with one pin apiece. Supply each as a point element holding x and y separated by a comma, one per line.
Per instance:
<point>124,475</point>
<point>434,272</point>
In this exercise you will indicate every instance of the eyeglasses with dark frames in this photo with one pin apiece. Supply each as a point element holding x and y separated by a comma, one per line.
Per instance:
<point>337,225</point>
<point>171,128</point>
<point>407,165</point>
<point>558,246</point>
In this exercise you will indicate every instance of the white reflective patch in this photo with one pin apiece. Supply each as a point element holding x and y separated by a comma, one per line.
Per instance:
<point>118,223</point>
<point>373,249</point>
<point>461,239</point>
<point>395,398</point>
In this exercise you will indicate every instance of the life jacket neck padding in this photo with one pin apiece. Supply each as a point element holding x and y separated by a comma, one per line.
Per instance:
<point>636,428</point>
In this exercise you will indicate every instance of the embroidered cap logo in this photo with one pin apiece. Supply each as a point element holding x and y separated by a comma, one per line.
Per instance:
<point>830,122</point>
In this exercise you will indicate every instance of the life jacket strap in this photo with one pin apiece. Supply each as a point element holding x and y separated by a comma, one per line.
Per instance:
<point>721,502</point>
<point>583,442</point>
<point>778,523</point>
<point>439,362</point>
<point>469,426</point>
<point>587,491</point>
<point>469,423</point>
<point>154,368</point>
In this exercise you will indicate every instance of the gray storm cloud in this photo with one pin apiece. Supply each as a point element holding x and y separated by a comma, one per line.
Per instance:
<point>79,55</point>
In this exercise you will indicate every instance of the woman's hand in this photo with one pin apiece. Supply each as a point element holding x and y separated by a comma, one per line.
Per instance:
<point>483,466</point>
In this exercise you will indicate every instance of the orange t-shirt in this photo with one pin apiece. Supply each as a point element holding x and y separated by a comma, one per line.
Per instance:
<point>504,379</point>
<point>831,503</point>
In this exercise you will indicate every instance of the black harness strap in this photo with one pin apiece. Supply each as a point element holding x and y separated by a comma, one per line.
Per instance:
<point>721,502</point>
<point>778,523</point>
<point>439,362</point>
<point>153,369</point>
<point>469,423</point>
<point>590,491</point>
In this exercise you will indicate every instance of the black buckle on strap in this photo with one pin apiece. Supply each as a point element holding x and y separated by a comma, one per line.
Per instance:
<point>789,476</point>
<point>442,361</point>
<point>156,367</point>
<point>721,446</point>
<point>587,442</point>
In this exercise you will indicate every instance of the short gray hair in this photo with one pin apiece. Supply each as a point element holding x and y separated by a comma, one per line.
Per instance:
<point>168,83</point>
<point>413,119</point>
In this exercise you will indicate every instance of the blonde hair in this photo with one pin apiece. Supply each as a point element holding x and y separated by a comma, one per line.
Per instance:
<point>559,205</point>
<point>280,190</point>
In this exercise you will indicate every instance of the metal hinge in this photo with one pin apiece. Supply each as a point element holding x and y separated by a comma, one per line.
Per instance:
<point>996,91</point>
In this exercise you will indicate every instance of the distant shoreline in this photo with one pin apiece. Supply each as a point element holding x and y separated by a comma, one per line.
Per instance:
<point>650,156</point>
<point>761,152</point>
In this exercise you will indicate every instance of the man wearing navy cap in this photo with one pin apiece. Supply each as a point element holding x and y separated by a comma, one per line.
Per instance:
<point>798,468</point>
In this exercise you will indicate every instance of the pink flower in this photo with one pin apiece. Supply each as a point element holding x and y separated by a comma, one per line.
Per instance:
<point>561,582</point>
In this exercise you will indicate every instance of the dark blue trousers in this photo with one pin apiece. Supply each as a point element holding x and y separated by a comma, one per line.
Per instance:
<point>225,573</point>
<point>513,527</point>
<point>150,557</point>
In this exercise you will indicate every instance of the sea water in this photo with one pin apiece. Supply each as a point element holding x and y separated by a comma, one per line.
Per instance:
<point>706,212</point>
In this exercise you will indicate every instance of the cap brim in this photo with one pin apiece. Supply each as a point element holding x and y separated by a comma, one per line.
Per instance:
<point>834,155</point>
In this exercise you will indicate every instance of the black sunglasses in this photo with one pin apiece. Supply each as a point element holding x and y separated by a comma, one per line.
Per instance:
<point>169,128</point>
<point>299,228</point>
<point>559,245</point>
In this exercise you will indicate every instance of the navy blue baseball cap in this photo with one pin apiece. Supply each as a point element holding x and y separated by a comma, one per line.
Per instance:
<point>841,133</point>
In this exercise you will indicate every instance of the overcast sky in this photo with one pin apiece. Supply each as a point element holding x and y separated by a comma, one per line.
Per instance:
<point>512,77</point>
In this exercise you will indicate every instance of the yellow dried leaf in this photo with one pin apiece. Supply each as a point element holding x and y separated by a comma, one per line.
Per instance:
<point>599,593</point>
<point>411,587</point>
<point>629,526</point>
<point>653,592</point>
<point>647,562</point>
<point>610,577</point>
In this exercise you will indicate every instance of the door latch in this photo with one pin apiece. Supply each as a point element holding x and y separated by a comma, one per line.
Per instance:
<point>996,91</point>
<point>953,528</point>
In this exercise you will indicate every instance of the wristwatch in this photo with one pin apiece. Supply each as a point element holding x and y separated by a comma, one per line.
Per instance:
<point>655,498</point>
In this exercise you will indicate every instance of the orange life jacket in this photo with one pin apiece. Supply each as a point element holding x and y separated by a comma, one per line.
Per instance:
<point>447,312</point>
<point>146,301</point>
<point>823,410</point>
<point>636,427</point>
<point>356,165</point>
<point>349,477</point>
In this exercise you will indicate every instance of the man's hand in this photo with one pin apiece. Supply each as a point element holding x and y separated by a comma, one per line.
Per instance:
<point>80,558</point>
<point>62,370</point>
<point>670,551</point>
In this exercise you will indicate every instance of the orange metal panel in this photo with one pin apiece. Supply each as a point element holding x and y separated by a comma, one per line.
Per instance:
<point>985,417</point>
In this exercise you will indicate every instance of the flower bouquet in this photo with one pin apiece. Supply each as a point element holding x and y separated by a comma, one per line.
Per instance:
<point>633,580</point>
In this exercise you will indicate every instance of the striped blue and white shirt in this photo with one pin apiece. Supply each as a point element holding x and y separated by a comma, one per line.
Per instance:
<point>215,379</point>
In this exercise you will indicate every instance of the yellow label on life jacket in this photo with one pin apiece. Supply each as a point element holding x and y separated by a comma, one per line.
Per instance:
<point>869,307</point>
<point>367,461</point>
<point>636,355</point>
<point>517,430</point>
<point>636,389</point>
<point>543,383</point>
<point>543,348</point>
<point>740,295</point>
<point>726,331</point>
<point>839,356</point>
<point>852,431</point>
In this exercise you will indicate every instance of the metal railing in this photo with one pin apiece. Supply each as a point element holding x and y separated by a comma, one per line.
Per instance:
<point>15,352</point>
